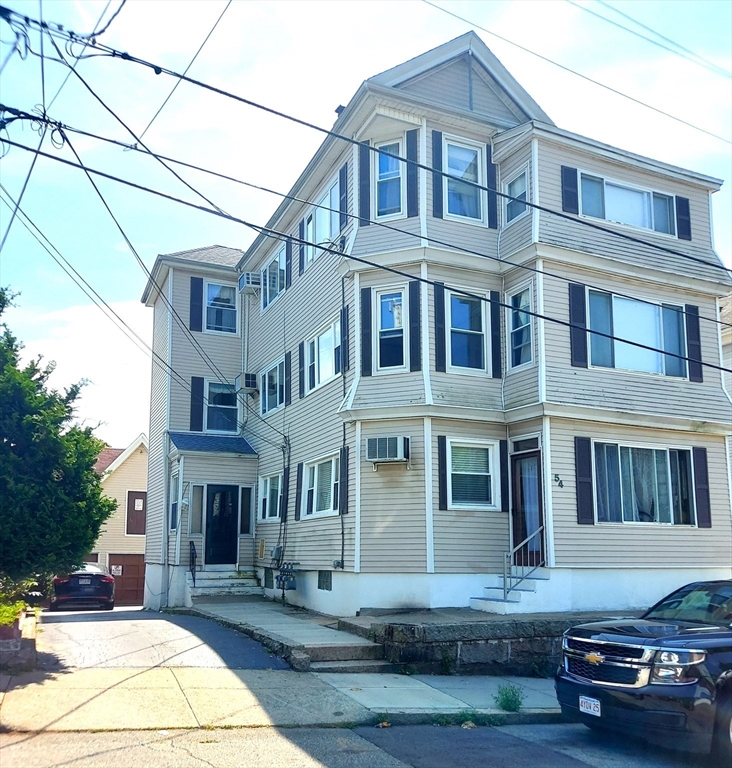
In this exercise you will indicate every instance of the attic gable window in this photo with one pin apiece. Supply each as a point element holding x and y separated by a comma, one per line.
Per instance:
<point>636,207</point>
<point>464,164</point>
<point>220,308</point>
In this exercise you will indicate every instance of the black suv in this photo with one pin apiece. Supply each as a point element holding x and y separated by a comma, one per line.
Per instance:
<point>665,677</point>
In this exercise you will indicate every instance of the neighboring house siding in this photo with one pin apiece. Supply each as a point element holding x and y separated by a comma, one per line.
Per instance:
<point>157,446</point>
<point>640,545</point>
<point>113,538</point>
<point>629,391</point>
<point>467,541</point>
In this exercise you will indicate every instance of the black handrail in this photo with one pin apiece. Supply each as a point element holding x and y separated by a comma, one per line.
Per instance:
<point>192,557</point>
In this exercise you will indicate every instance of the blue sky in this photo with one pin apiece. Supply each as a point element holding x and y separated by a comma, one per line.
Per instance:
<point>304,58</point>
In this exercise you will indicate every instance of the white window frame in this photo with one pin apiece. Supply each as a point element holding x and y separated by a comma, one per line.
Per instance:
<point>646,301</point>
<point>486,332</point>
<point>509,296</point>
<point>281,259</point>
<point>376,330</point>
<point>334,461</point>
<point>329,198</point>
<point>265,482</point>
<point>646,446</point>
<point>401,213</point>
<point>635,188</point>
<point>235,288</point>
<point>524,171</point>
<point>495,472</point>
<point>173,499</point>
<point>207,388</point>
<point>279,366</point>
<point>335,330</point>
<point>459,141</point>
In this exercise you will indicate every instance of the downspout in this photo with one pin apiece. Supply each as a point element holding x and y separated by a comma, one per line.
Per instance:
<point>178,533</point>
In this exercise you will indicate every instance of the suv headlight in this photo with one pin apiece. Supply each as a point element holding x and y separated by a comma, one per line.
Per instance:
<point>673,666</point>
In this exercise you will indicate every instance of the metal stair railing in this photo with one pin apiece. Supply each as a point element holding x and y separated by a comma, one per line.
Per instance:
<point>193,556</point>
<point>510,581</point>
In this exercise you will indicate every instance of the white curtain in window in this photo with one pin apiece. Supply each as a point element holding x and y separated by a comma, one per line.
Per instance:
<point>628,206</point>
<point>638,322</point>
<point>323,491</point>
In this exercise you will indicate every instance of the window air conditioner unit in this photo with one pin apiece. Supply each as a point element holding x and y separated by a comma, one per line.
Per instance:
<point>249,282</point>
<point>246,383</point>
<point>387,449</point>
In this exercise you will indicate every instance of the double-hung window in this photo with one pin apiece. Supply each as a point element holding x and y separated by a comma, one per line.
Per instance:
<point>658,326</point>
<point>389,179</point>
<point>322,224</point>
<point>644,485</point>
<point>521,347</point>
<point>467,332</point>
<point>270,493</point>
<point>324,356</point>
<point>173,501</point>
<point>472,474</point>
<point>636,207</point>
<point>222,409</point>
<point>464,164</point>
<point>220,308</point>
<point>321,487</point>
<point>390,337</point>
<point>273,279</point>
<point>516,189</point>
<point>273,387</point>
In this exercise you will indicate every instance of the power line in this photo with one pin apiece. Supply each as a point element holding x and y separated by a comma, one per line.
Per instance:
<point>167,98</point>
<point>694,58</point>
<point>269,232</point>
<point>579,74</point>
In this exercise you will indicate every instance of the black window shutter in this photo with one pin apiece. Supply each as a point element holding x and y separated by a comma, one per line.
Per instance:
<point>693,343</point>
<point>583,471</point>
<point>288,377</point>
<point>288,263</point>
<point>343,480</point>
<point>496,368</point>
<point>442,470</point>
<point>343,196</point>
<point>570,191</point>
<point>701,488</point>
<point>195,321</point>
<point>301,234</point>
<point>505,474</point>
<point>437,174</point>
<point>364,184</point>
<point>578,319</point>
<point>415,326</point>
<point>412,177</point>
<point>440,360</point>
<point>301,369</point>
<point>285,495</point>
<point>298,491</point>
<point>366,332</point>
<point>683,218</point>
<point>196,404</point>
<point>492,196</point>
<point>345,339</point>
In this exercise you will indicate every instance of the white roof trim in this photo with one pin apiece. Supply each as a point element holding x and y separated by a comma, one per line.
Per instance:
<point>141,439</point>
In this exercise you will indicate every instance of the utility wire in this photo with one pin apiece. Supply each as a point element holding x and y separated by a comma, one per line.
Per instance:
<point>269,232</point>
<point>381,224</point>
<point>694,58</point>
<point>43,61</point>
<point>167,98</point>
<point>579,74</point>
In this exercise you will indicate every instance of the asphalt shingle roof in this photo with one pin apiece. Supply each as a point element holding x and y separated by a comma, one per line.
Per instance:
<point>107,457</point>
<point>187,441</point>
<point>210,254</point>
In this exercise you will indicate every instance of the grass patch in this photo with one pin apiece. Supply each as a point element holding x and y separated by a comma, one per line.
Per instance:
<point>465,716</point>
<point>9,612</point>
<point>510,697</point>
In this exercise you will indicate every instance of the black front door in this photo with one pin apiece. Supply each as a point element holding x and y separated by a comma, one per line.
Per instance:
<point>528,516</point>
<point>222,516</point>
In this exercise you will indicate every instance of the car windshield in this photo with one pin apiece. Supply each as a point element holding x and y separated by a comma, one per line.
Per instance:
<point>698,603</point>
<point>90,569</point>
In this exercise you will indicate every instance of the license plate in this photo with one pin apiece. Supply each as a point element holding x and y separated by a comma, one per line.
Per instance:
<point>589,706</point>
<point>84,581</point>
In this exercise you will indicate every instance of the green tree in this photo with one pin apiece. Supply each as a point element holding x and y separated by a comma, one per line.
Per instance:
<point>51,501</point>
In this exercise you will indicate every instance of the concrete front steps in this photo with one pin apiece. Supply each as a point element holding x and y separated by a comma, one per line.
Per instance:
<point>528,597</point>
<point>348,657</point>
<point>218,583</point>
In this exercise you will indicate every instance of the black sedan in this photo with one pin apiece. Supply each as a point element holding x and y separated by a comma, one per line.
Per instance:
<point>87,587</point>
<point>665,677</point>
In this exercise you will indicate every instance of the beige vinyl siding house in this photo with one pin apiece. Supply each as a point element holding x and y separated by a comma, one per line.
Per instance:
<point>440,390</point>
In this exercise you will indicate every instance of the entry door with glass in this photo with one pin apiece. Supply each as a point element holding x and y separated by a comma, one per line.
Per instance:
<point>222,520</point>
<point>528,515</point>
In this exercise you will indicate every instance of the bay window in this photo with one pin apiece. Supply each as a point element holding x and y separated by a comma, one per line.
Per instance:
<point>516,189</point>
<point>464,164</point>
<point>389,179</point>
<point>220,308</point>
<point>467,332</point>
<point>390,329</point>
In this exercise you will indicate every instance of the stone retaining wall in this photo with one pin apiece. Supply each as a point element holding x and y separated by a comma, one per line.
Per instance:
<point>19,653</point>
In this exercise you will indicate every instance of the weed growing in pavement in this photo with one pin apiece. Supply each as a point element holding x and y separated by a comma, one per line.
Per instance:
<point>408,669</point>
<point>467,716</point>
<point>509,697</point>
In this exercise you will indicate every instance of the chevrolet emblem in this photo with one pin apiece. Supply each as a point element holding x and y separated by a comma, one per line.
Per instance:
<point>594,658</point>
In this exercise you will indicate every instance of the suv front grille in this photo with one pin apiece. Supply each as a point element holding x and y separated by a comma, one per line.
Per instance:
<point>605,649</point>
<point>608,663</point>
<point>602,673</point>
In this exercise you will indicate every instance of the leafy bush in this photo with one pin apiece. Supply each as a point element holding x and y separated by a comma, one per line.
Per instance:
<point>9,612</point>
<point>509,697</point>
